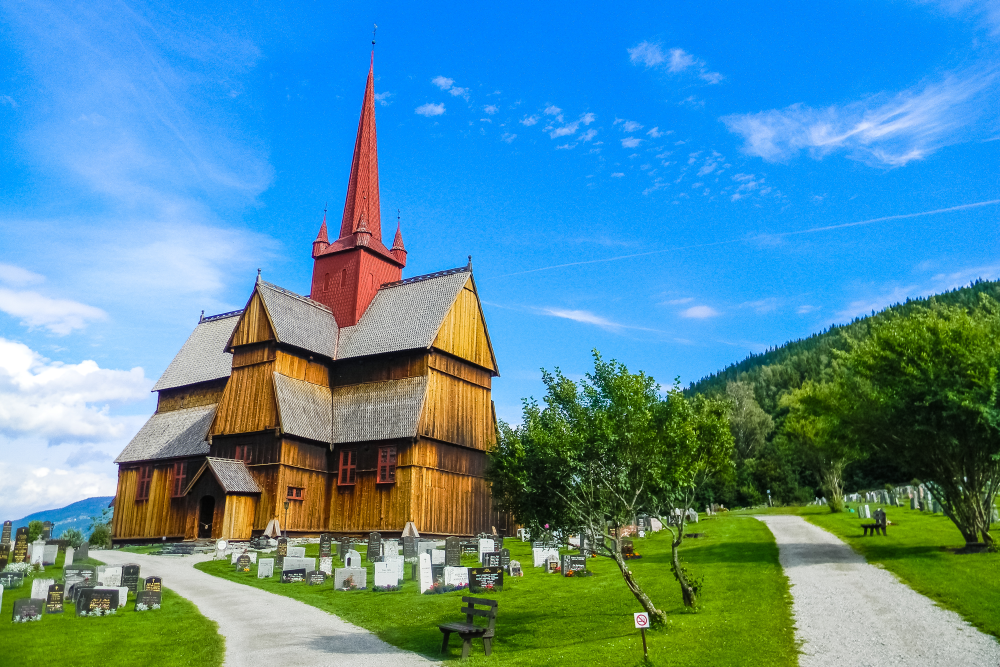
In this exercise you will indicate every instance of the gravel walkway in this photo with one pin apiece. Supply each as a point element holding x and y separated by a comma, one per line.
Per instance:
<point>263,629</point>
<point>850,613</point>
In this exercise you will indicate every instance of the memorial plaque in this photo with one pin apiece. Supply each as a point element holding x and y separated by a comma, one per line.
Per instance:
<point>343,546</point>
<point>397,562</point>
<point>374,553</point>
<point>390,548</point>
<point>437,557</point>
<point>265,568</point>
<point>326,565</point>
<point>4,555</point>
<point>154,584</point>
<point>296,552</point>
<point>505,558</point>
<point>491,559</point>
<point>54,599</point>
<point>291,563</point>
<point>279,556</point>
<point>130,577</point>
<point>5,536</point>
<point>409,547</point>
<point>112,577</point>
<point>573,564</point>
<point>540,556</point>
<point>552,564</point>
<point>46,530</point>
<point>243,563</point>
<point>515,569</point>
<point>20,545</point>
<point>453,552</point>
<point>96,599</point>
<point>485,545</point>
<point>28,609</point>
<point>83,553</point>
<point>358,577</point>
<point>149,599</point>
<point>293,576</point>
<point>386,574</point>
<point>485,579</point>
<point>456,576</point>
<point>426,573</point>
<point>470,548</point>
<point>316,578</point>
<point>324,546</point>
<point>352,559</point>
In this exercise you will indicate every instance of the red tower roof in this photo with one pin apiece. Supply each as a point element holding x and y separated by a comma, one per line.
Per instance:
<point>362,189</point>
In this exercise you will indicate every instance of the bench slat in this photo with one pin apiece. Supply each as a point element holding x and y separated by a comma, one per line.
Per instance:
<point>482,601</point>
<point>463,628</point>
<point>487,613</point>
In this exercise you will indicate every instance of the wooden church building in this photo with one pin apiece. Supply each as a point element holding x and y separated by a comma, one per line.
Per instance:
<point>358,408</point>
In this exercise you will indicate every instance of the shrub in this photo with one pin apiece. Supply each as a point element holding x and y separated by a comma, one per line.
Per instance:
<point>34,530</point>
<point>101,537</point>
<point>73,536</point>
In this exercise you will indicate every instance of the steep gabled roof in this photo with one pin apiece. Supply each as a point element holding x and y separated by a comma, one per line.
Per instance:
<point>203,356</point>
<point>232,476</point>
<point>299,321</point>
<point>170,435</point>
<point>378,410</point>
<point>304,408</point>
<point>404,315</point>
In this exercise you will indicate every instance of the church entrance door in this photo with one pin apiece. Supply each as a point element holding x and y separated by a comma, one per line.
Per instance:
<point>206,512</point>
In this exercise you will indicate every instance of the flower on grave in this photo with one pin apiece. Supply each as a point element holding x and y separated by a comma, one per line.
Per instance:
<point>546,526</point>
<point>156,606</point>
<point>140,607</point>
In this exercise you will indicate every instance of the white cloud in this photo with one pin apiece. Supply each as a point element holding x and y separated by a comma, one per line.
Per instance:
<point>882,129</point>
<point>680,60</point>
<point>631,142</point>
<point>60,316</point>
<point>645,53</point>
<point>429,109</point>
<point>566,147</point>
<point>588,135</point>
<point>552,110</point>
<point>507,137</point>
<point>7,99</point>
<point>675,61</point>
<point>747,184</point>
<point>655,133</point>
<point>584,316</point>
<point>491,109</point>
<point>631,126</point>
<point>383,98</point>
<point>677,302</point>
<point>528,121</point>
<point>15,275</point>
<point>986,11</point>
<point>617,174</point>
<point>460,92</point>
<point>699,312</point>
<point>805,309</point>
<point>571,128</point>
<point>443,82</point>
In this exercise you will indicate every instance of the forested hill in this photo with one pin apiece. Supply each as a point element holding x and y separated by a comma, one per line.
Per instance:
<point>778,370</point>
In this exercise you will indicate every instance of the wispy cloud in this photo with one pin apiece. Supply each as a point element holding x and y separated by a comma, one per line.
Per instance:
<point>882,129</point>
<point>60,316</point>
<point>528,121</point>
<point>699,312</point>
<point>383,98</point>
<point>587,317</point>
<point>631,142</point>
<point>430,109</point>
<point>15,275</point>
<point>491,109</point>
<point>674,60</point>
<point>443,82</point>
<point>985,11</point>
<point>570,128</point>
<point>655,133</point>
<point>628,125</point>
<point>508,137</point>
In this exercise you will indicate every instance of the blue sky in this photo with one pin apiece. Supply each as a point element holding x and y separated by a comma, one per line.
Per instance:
<point>673,184</point>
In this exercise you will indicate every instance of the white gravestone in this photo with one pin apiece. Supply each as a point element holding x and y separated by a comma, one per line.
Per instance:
<point>868,512</point>
<point>1,595</point>
<point>357,575</point>
<point>656,525</point>
<point>352,559</point>
<point>68,560</point>
<point>265,568</point>
<point>437,557</point>
<point>49,554</point>
<point>122,595</point>
<point>426,573</point>
<point>485,546</point>
<point>399,563</point>
<point>37,551</point>
<point>235,556</point>
<point>386,574</point>
<point>297,552</point>
<point>297,563</point>
<point>539,556</point>
<point>390,548</point>
<point>40,588</point>
<point>456,576</point>
<point>326,566</point>
<point>112,577</point>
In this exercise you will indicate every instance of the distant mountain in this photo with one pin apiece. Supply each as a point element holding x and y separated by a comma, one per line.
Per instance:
<point>76,515</point>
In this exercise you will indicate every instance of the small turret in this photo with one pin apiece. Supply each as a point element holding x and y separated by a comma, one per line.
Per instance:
<point>398,251</point>
<point>362,235</point>
<point>322,242</point>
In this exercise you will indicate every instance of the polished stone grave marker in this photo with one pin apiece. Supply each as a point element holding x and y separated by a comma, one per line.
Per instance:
<point>28,609</point>
<point>20,546</point>
<point>324,546</point>
<point>265,568</point>
<point>154,584</point>
<point>316,578</point>
<point>485,579</point>
<point>93,599</point>
<point>293,576</point>
<point>54,599</point>
<point>130,577</point>
<point>5,537</point>
<point>453,552</point>
<point>374,553</point>
<point>148,599</point>
<point>296,552</point>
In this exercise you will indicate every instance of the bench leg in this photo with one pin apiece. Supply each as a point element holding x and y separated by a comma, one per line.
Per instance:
<point>466,647</point>
<point>444,644</point>
<point>487,645</point>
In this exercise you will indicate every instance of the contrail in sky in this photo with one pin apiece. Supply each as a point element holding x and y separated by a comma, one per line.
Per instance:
<point>812,230</point>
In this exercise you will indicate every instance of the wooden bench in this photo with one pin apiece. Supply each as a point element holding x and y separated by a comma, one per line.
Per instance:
<point>874,528</point>
<point>469,630</point>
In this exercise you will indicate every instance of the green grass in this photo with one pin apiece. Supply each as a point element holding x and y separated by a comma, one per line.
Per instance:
<point>177,634</point>
<point>920,550</point>
<point>547,619</point>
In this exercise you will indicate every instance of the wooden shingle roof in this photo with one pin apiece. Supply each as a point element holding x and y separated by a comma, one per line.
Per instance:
<point>171,435</point>
<point>304,408</point>
<point>232,476</point>
<point>203,356</point>
<point>299,321</point>
<point>378,410</point>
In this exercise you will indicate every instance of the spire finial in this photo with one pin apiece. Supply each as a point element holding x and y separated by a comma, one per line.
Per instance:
<point>202,318</point>
<point>373,34</point>
<point>258,275</point>
<point>469,266</point>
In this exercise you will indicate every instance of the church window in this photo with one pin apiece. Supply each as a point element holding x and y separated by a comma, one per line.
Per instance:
<point>180,478</point>
<point>348,466</point>
<point>296,493</point>
<point>145,477</point>
<point>326,281</point>
<point>242,453</point>
<point>386,465</point>
<point>343,277</point>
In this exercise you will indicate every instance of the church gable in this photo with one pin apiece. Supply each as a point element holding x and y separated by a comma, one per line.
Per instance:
<point>254,325</point>
<point>463,332</point>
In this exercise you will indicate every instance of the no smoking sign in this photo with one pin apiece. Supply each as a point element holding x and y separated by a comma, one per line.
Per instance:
<point>641,620</point>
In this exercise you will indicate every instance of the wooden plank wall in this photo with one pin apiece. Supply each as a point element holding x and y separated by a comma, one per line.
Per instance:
<point>254,326</point>
<point>255,353</point>
<point>238,520</point>
<point>446,503</point>
<point>459,369</point>
<point>159,515</point>
<point>463,332</point>
<point>457,411</point>
<point>206,486</point>
<point>206,393</point>
<point>300,368</point>
<point>381,369</point>
<point>304,465</point>
<point>248,403</point>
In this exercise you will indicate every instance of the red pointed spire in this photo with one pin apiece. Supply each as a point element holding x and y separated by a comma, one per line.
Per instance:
<point>398,250</point>
<point>322,242</point>
<point>362,188</point>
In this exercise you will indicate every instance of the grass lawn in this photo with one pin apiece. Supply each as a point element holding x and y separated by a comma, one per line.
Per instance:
<point>546,619</point>
<point>176,634</point>
<point>919,549</point>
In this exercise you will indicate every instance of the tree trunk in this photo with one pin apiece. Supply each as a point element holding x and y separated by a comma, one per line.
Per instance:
<point>687,591</point>
<point>656,617</point>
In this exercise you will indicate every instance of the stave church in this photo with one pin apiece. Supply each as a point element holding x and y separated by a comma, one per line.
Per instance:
<point>360,407</point>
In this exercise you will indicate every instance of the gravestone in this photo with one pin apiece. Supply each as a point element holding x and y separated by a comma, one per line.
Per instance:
<point>83,553</point>
<point>40,588</point>
<point>243,563</point>
<point>386,574</point>
<point>46,530</point>
<point>148,599</point>
<point>282,551</point>
<point>505,558</point>
<point>154,584</point>
<point>573,564</point>
<point>130,577</point>
<point>374,553</point>
<point>456,576</point>
<point>409,547</point>
<point>28,609</point>
<point>68,557</point>
<point>11,580</point>
<point>76,577</point>
<point>20,546</point>
<point>471,548</point>
<point>358,577</point>
<point>868,512</point>
<point>95,599</point>
<point>293,576</point>
<point>437,557</point>
<point>4,555</point>
<point>485,579</point>
<point>515,569</point>
<point>485,544</point>
<point>1,597</point>
<point>5,536</point>
<point>296,563</point>
<point>296,552</point>
<point>397,562</point>
<point>112,576</point>
<point>325,543</point>
<point>352,559</point>
<point>491,559</point>
<point>552,564</point>
<point>326,565</point>
<point>54,599</point>
<point>627,548</point>
<point>426,573</point>
<point>316,578</point>
<point>453,552</point>
<point>539,556</point>
<point>390,548</point>
<point>265,568</point>
<point>343,546</point>
<point>437,572</point>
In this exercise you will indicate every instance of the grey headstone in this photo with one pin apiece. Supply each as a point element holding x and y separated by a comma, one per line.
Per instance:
<point>49,554</point>
<point>265,568</point>
<point>358,575</point>
<point>326,565</point>
<point>297,563</point>
<point>68,559</point>
<point>40,588</point>
<point>453,552</point>
<point>386,574</point>
<point>83,553</point>
<point>296,552</point>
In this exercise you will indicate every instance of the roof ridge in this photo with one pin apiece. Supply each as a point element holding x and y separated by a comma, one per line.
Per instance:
<point>304,299</point>
<point>427,276</point>
<point>222,316</point>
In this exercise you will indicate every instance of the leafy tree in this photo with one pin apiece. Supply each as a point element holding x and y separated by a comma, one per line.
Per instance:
<point>749,424</point>
<point>929,392</point>
<point>34,530</point>
<point>73,536</point>
<point>100,529</point>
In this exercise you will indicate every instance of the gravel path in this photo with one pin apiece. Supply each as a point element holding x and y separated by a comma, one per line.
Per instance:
<point>263,629</point>
<point>848,612</point>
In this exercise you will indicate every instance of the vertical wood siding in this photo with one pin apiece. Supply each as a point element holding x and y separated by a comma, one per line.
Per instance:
<point>237,522</point>
<point>254,326</point>
<point>157,516</point>
<point>248,403</point>
<point>463,332</point>
<point>457,411</point>
<point>206,393</point>
<point>299,368</point>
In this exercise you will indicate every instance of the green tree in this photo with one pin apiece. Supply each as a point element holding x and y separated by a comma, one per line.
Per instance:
<point>73,536</point>
<point>34,530</point>
<point>928,390</point>
<point>749,424</point>
<point>100,529</point>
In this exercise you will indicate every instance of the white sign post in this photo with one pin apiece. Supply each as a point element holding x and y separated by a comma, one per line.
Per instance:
<point>642,622</point>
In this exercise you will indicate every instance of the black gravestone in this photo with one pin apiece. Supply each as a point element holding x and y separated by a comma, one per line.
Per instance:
<point>54,599</point>
<point>315,577</point>
<point>4,554</point>
<point>374,553</point>
<point>491,559</point>
<point>324,546</point>
<point>130,578</point>
<point>470,547</point>
<point>292,576</point>
<point>243,563</point>
<point>453,552</point>
<point>28,608</point>
<point>11,580</point>
<point>94,599</point>
<point>5,537</point>
<point>148,598</point>
<point>627,549</point>
<point>485,579</point>
<point>21,546</point>
<point>343,546</point>
<point>437,573</point>
<point>505,558</point>
<point>573,564</point>
<point>47,530</point>
<point>409,546</point>
<point>154,584</point>
<point>282,551</point>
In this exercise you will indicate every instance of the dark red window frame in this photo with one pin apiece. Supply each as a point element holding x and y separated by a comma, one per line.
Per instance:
<point>386,465</point>
<point>180,478</point>
<point>145,479</point>
<point>296,493</point>
<point>348,467</point>
<point>242,453</point>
